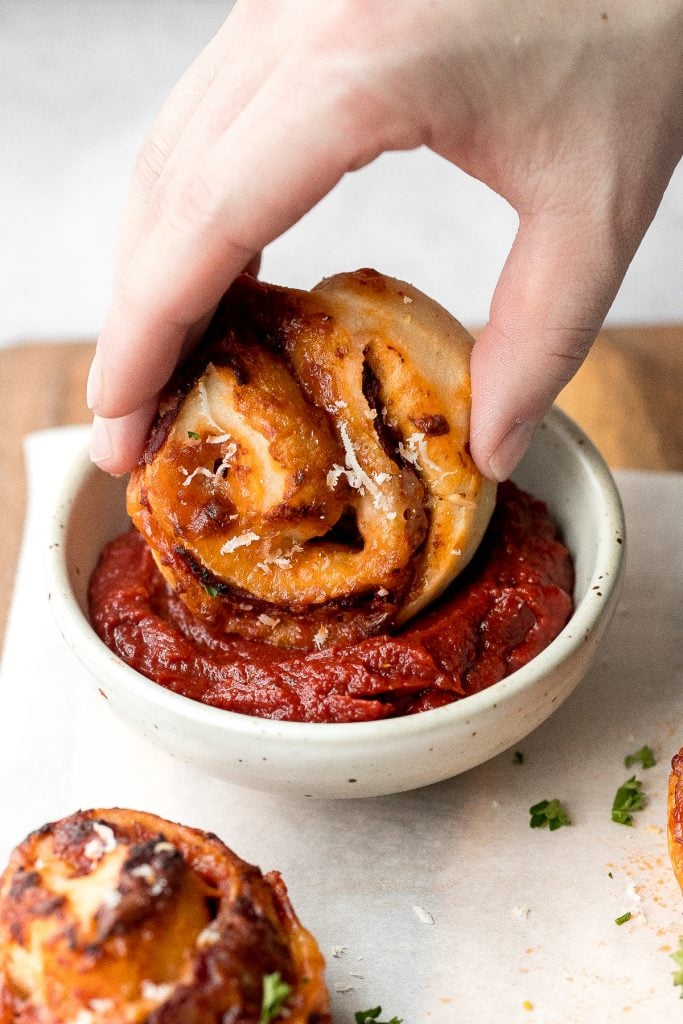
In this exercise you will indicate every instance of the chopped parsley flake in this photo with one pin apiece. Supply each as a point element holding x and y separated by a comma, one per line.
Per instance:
<point>628,798</point>
<point>275,991</point>
<point>211,591</point>
<point>677,957</point>
<point>550,813</point>
<point>624,918</point>
<point>644,757</point>
<point>518,757</point>
<point>371,1017</point>
<point>193,434</point>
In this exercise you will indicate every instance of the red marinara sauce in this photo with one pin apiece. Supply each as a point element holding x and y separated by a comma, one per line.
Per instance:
<point>511,601</point>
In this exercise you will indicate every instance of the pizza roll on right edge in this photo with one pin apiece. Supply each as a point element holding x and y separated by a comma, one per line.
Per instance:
<point>675,816</point>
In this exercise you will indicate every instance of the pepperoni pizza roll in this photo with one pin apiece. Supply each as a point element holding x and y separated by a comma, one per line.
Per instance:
<point>120,917</point>
<point>675,816</point>
<point>308,478</point>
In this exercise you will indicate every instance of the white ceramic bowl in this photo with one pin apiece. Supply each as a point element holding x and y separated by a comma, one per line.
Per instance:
<point>366,758</point>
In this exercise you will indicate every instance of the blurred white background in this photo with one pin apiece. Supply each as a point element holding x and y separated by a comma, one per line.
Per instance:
<point>81,82</point>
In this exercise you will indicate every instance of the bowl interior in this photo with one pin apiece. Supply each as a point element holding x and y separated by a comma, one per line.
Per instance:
<point>563,469</point>
<point>95,515</point>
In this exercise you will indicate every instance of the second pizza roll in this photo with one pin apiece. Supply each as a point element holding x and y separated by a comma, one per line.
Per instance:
<point>120,917</point>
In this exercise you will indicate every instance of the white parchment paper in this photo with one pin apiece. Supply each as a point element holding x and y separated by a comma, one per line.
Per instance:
<point>442,905</point>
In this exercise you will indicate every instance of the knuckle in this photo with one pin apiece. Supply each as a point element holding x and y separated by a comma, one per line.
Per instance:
<point>358,24</point>
<point>192,205</point>
<point>151,160</point>
<point>358,81</point>
<point>194,208</point>
<point>565,350</point>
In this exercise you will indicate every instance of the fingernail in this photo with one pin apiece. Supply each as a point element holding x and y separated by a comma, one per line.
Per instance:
<point>510,450</point>
<point>93,391</point>
<point>100,441</point>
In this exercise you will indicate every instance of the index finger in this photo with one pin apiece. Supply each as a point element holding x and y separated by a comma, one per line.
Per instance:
<point>285,151</point>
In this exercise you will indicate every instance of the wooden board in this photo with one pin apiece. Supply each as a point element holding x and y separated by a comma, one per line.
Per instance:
<point>627,397</point>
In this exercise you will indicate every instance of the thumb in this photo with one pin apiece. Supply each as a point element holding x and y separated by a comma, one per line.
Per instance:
<point>556,286</point>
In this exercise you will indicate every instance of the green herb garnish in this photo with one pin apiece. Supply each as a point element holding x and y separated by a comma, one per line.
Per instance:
<point>550,813</point>
<point>624,918</point>
<point>275,991</point>
<point>518,757</point>
<point>193,434</point>
<point>211,591</point>
<point>677,957</point>
<point>644,757</point>
<point>365,1016</point>
<point>628,798</point>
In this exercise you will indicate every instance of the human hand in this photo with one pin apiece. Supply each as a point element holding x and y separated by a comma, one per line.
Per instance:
<point>572,112</point>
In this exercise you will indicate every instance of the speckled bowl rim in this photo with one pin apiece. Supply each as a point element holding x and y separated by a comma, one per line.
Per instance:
<point>80,636</point>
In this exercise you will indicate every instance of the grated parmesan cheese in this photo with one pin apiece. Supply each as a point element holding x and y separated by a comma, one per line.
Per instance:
<point>407,300</point>
<point>148,990</point>
<point>333,477</point>
<point>83,1017</point>
<point>93,849</point>
<point>230,453</point>
<point>320,637</point>
<point>144,871</point>
<point>356,475</point>
<point>164,847</point>
<point>243,540</point>
<point>209,936</point>
<point>382,592</point>
<point>200,470</point>
<point>101,1005</point>
<point>414,451</point>
<point>268,620</point>
<point>107,836</point>
<point>423,915</point>
<point>633,893</point>
<point>111,899</point>
<point>281,559</point>
<point>521,912</point>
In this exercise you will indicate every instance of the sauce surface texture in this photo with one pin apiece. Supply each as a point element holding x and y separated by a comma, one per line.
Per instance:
<point>508,605</point>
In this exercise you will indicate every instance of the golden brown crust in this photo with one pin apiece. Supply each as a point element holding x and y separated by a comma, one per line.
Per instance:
<point>675,816</point>
<point>119,917</point>
<point>308,479</point>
